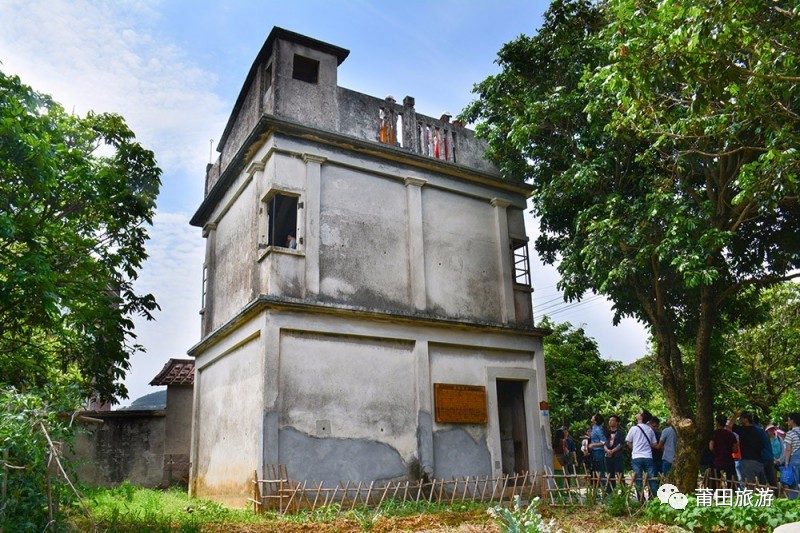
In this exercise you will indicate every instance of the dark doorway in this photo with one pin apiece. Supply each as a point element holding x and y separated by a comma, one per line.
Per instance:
<point>513,431</point>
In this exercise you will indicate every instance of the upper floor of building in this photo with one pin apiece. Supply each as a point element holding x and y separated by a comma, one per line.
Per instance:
<point>334,198</point>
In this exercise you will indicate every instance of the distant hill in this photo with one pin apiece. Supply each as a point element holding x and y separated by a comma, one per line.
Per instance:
<point>154,400</point>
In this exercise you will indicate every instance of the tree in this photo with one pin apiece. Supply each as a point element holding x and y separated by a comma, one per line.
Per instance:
<point>761,358</point>
<point>659,138</point>
<point>75,196</point>
<point>576,373</point>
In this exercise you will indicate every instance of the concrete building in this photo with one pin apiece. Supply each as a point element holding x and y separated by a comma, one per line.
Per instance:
<point>366,291</point>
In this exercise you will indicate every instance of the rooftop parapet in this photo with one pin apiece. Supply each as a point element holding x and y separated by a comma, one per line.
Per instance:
<point>294,81</point>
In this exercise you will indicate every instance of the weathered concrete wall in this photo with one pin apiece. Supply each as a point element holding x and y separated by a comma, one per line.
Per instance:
<point>354,414</point>
<point>461,254</point>
<point>177,435</point>
<point>245,120</point>
<point>475,449</point>
<point>178,419</point>
<point>236,246</point>
<point>128,445</point>
<point>228,409</point>
<point>312,104</point>
<point>363,240</point>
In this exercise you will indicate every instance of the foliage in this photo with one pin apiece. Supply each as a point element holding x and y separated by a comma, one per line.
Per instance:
<point>521,520</point>
<point>580,382</point>
<point>24,455</point>
<point>719,518</point>
<point>660,140</point>
<point>761,358</point>
<point>75,196</point>
<point>576,373</point>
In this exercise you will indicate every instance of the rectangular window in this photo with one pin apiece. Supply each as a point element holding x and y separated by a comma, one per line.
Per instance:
<point>305,69</point>
<point>282,221</point>
<point>205,287</point>
<point>522,266</point>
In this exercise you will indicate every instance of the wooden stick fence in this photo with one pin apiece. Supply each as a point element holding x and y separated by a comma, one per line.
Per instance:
<point>275,491</point>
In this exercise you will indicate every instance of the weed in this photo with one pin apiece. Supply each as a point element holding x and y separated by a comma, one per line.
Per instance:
<point>522,520</point>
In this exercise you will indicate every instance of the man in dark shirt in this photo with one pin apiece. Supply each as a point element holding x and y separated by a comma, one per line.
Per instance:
<point>751,445</point>
<point>766,454</point>
<point>723,444</point>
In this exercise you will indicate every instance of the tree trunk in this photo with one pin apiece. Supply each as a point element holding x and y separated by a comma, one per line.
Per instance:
<point>704,394</point>
<point>687,456</point>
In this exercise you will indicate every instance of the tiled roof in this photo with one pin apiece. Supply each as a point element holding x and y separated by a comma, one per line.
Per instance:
<point>176,372</point>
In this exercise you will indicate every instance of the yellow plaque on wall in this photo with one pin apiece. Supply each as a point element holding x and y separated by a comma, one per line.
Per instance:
<point>460,404</point>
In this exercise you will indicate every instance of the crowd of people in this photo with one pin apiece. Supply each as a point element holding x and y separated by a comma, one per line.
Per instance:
<point>740,450</point>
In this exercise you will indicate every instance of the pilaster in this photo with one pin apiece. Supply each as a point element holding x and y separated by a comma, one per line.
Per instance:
<point>312,223</point>
<point>416,252</point>
<point>505,281</point>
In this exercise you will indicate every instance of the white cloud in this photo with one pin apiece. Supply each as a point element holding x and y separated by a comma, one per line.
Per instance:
<point>108,57</point>
<point>105,56</point>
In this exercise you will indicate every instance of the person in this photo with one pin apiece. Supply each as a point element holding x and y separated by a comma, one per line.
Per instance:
<point>613,450</point>
<point>791,455</point>
<point>291,242</point>
<point>657,451</point>
<point>641,440</point>
<point>766,454</point>
<point>572,457</point>
<point>723,445</point>
<point>776,444</point>
<point>667,445</point>
<point>751,445</point>
<point>596,446</point>
<point>559,449</point>
<point>586,454</point>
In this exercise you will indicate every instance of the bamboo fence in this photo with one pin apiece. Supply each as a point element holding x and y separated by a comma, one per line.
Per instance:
<point>275,491</point>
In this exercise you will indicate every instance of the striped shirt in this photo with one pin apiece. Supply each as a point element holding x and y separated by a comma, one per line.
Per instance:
<point>793,438</point>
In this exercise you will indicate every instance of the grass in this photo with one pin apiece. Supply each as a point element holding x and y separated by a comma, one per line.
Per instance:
<point>127,508</point>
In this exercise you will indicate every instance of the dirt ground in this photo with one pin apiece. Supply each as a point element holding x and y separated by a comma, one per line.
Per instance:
<point>568,521</point>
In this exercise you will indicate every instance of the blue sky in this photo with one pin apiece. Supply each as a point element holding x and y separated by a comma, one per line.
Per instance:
<point>173,69</point>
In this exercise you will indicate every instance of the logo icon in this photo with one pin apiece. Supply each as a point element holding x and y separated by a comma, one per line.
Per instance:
<point>670,494</point>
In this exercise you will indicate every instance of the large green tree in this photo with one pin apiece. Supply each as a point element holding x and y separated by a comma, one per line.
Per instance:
<point>76,195</point>
<point>660,139</point>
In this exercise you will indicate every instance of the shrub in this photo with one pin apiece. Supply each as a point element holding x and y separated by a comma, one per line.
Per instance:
<point>719,518</point>
<point>522,520</point>
<point>33,490</point>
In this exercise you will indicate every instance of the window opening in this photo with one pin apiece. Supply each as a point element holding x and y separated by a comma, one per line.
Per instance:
<point>204,288</point>
<point>282,216</point>
<point>400,130</point>
<point>305,69</point>
<point>522,267</point>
